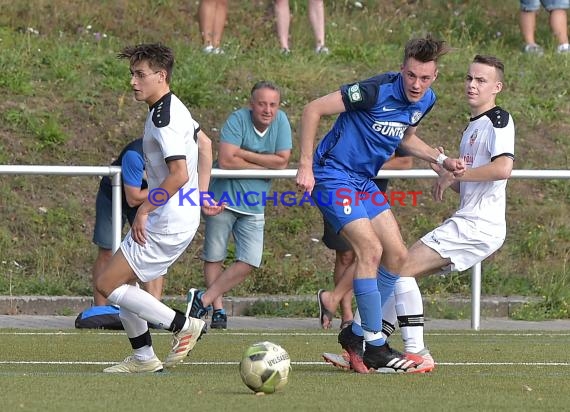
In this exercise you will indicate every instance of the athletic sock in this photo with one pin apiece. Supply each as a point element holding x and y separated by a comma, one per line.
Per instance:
<point>143,304</point>
<point>370,309</point>
<point>386,282</point>
<point>410,312</point>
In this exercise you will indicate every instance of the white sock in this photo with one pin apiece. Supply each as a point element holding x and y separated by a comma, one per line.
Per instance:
<point>145,353</point>
<point>389,314</point>
<point>143,304</point>
<point>133,325</point>
<point>410,311</point>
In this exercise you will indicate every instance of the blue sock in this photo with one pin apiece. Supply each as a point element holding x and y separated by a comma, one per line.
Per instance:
<point>386,282</point>
<point>369,303</point>
<point>357,329</point>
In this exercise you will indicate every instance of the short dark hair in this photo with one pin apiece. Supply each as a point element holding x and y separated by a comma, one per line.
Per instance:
<point>425,49</point>
<point>493,62</point>
<point>264,84</point>
<point>159,57</point>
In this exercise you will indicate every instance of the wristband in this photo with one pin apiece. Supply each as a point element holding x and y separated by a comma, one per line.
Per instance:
<point>440,159</point>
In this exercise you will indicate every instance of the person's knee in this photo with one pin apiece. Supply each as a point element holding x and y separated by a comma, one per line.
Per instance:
<point>345,258</point>
<point>370,255</point>
<point>395,261</point>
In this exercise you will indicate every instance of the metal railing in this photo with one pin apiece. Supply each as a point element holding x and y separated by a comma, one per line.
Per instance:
<point>115,173</point>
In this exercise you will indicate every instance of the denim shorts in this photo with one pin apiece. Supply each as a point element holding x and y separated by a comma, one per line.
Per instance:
<point>247,231</point>
<point>103,232</point>
<point>534,5</point>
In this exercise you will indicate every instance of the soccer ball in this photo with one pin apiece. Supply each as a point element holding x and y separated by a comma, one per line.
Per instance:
<point>265,367</point>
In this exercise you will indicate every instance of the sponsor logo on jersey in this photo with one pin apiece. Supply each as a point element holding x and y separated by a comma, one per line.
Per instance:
<point>354,94</point>
<point>416,116</point>
<point>390,128</point>
<point>388,109</point>
<point>473,137</point>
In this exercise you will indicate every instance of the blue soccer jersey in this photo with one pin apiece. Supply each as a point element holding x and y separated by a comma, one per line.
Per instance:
<point>367,134</point>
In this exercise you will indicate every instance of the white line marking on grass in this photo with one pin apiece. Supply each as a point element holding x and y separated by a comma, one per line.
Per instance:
<point>278,333</point>
<point>293,363</point>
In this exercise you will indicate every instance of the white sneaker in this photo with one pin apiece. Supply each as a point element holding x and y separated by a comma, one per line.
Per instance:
<point>133,365</point>
<point>322,50</point>
<point>208,49</point>
<point>184,341</point>
<point>563,48</point>
<point>533,49</point>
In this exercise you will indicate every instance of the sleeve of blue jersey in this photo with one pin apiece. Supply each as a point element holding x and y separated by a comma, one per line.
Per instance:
<point>132,168</point>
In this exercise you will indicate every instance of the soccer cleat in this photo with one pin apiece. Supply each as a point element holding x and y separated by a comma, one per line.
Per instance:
<point>384,359</point>
<point>219,320</point>
<point>194,307</point>
<point>184,341</point>
<point>353,344</point>
<point>133,365</point>
<point>338,361</point>
<point>427,364</point>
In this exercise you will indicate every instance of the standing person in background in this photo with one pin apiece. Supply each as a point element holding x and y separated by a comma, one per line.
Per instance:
<point>316,18</point>
<point>212,20</point>
<point>178,159</point>
<point>558,20</point>
<point>134,192</point>
<point>256,137</point>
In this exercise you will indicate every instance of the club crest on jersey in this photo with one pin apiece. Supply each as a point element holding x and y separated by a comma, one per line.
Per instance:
<point>354,94</point>
<point>473,137</point>
<point>416,116</point>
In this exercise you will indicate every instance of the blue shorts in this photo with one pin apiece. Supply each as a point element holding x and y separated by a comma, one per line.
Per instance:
<point>247,231</point>
<point>343,197</point>
<point>534,5</point>
<point>103,231</point>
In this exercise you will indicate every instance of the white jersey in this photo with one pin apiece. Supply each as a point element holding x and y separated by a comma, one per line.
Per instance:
<point>488,136</point>
<point>170,134</point>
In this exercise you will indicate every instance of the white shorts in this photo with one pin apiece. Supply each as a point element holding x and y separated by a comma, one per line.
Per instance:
<point>160,252</point>
<point>459,240</point>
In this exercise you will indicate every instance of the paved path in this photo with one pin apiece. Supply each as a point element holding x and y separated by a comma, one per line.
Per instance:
<point>247,322</point>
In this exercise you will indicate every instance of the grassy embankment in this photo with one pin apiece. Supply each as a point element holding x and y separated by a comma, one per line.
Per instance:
<point>67,102</point>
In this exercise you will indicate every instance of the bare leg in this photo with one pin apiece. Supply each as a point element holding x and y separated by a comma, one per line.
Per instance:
<point>206,18</point>
<point>317,19</point>
<point>155,287</point>
<point>229,278</point>
<point>103,258</point>
<point>212,271</point>
<point>528,26</point>
<point>342,262</point>
<point>221,13</point>
<point>283,20</point>
<point>559,25</point>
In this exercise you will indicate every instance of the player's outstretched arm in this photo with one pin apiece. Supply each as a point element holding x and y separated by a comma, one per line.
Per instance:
<point>327,105</point>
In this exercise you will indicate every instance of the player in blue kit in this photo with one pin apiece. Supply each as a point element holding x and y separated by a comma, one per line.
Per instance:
<point>376,116</point>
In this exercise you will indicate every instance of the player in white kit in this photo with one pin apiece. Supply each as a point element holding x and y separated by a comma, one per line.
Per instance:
<point>178,161</point>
